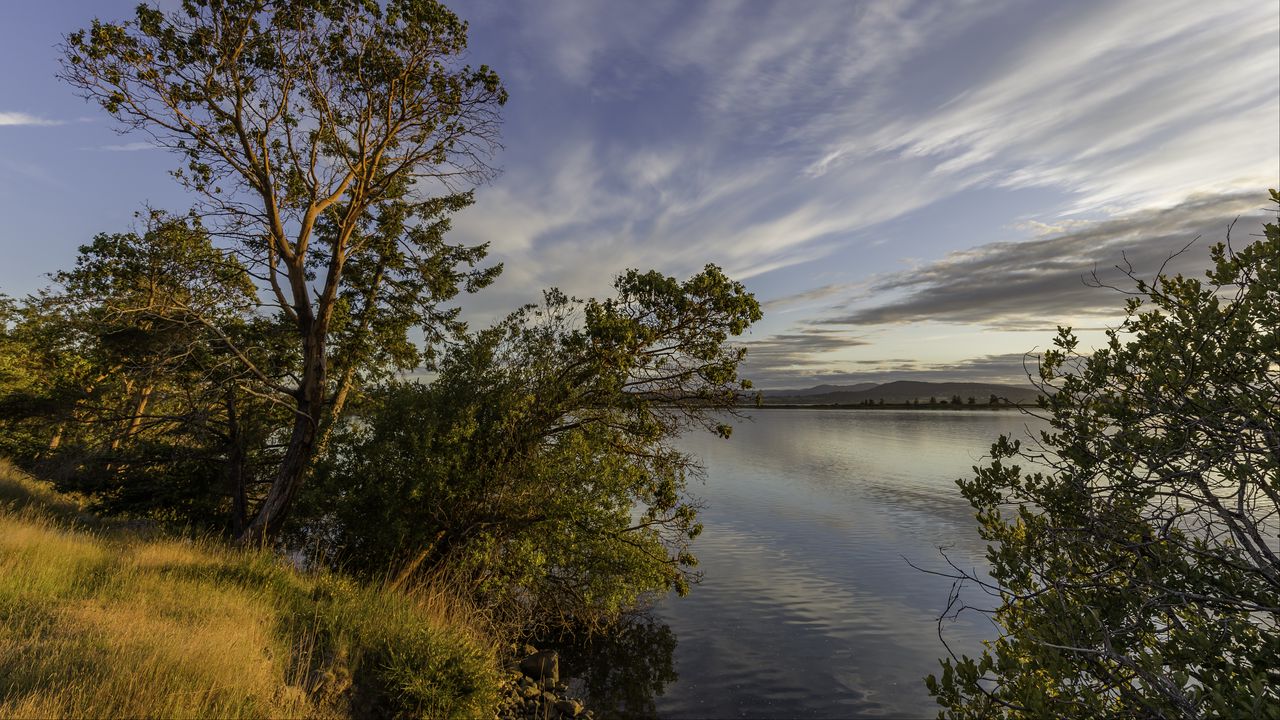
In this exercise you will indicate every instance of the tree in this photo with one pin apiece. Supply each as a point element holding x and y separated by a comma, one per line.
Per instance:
<point>1134,553</point>
<point>145,406</point>
<point>308,127</point>
<point>538,466</point>
<point>973,400</point>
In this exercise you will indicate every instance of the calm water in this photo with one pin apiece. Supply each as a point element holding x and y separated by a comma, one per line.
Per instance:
<point>808,607</point>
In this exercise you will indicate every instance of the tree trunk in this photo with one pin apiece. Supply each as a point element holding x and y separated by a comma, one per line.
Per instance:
<point>348,375</point>
<point>297,457</point>
<point>335,410</point>
<point>140,407</point>
<point>313,326</point>
<point>235,466</point>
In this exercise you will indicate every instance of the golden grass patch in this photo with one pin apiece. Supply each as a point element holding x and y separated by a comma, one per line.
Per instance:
<point>104,623</point>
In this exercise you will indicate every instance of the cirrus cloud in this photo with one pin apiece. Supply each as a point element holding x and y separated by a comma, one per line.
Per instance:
<point>1040,283</point>
<point>16,119</point>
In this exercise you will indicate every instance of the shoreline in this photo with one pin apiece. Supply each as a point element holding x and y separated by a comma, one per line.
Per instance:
<point>887,406</point>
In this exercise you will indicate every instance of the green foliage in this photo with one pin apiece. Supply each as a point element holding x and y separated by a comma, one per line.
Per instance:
<point>313,86</point>
<point>143,398</point>
<point>537,465</point>
<point>42,373</point>
<point>1133,545</point>
<point>401,282</point>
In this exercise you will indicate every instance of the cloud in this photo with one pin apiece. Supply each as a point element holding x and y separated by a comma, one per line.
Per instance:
<point>128,147</point>
<point>802,347</point>
<point>1124,104</point>
<point>1010,368</point>
<point>808,298</point>
<point>761,137</point>
<point>801,353</point>
<point>787,142</point>
<point>691,134</point>
<point>14,119</point>
<point>576,217</point>
<point>1040,283</point>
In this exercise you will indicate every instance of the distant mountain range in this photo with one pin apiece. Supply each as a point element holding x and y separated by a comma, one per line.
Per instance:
<point>902,391</point>
<point>822,390</point>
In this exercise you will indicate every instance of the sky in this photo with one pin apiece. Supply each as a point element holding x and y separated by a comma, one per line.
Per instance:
<point>913,190</point>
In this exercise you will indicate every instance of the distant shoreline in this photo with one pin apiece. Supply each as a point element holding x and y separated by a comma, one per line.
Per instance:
<point>887,406</point>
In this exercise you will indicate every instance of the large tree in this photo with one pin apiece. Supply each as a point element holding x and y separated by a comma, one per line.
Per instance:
<point>1134,543</point>
<point>308,127</point>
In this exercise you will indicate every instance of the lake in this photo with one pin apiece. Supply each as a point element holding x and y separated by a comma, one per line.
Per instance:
<point>808,606</point>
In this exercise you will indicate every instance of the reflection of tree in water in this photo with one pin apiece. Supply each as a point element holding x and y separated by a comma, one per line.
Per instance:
<point>622,672</point>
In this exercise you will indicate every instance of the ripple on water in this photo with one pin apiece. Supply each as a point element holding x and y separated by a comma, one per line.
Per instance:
<point>808,607</point>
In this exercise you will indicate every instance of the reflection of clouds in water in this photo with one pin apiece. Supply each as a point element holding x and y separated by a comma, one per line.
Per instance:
<point>905,446</point>
<point>808,605</point>
<point>775,619</point>
<point>855,470</point>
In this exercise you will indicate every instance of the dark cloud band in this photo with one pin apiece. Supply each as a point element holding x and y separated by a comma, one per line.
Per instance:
<point>1041,283</point>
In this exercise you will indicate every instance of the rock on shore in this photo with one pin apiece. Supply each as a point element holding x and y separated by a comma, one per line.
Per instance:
<point>534,691</point>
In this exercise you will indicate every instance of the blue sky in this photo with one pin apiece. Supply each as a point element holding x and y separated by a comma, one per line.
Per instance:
<point>914,190</point>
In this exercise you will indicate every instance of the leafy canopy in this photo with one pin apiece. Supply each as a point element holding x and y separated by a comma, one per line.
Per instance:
<point>539,462</point>
<point>1133,544</point>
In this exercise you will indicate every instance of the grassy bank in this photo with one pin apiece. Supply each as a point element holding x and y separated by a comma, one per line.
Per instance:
<point>101,621</point>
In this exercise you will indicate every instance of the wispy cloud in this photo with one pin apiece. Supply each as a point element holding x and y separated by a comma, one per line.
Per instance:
<point>813,296</point>
<point>1085,106</point>
<point>806,347</point>
<point>1040,283</point>
<point>127,147</point>
<point>800,130</point>
<point>573,220</point>
<point>695,144</point>
<point>16,119</point>
<point>781,141</point>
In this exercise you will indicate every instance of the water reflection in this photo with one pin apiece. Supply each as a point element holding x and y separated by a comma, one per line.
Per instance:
<point>809,606</point>
<point>621,674</point>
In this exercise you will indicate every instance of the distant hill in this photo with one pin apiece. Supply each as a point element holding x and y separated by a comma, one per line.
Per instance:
<point>821,390</point>
<point>902,391</point>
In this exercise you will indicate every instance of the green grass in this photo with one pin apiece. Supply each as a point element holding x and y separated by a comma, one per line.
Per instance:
<point>101,622</point>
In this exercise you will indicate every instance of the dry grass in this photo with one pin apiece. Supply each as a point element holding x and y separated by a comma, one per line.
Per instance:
<point>102,623</point>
